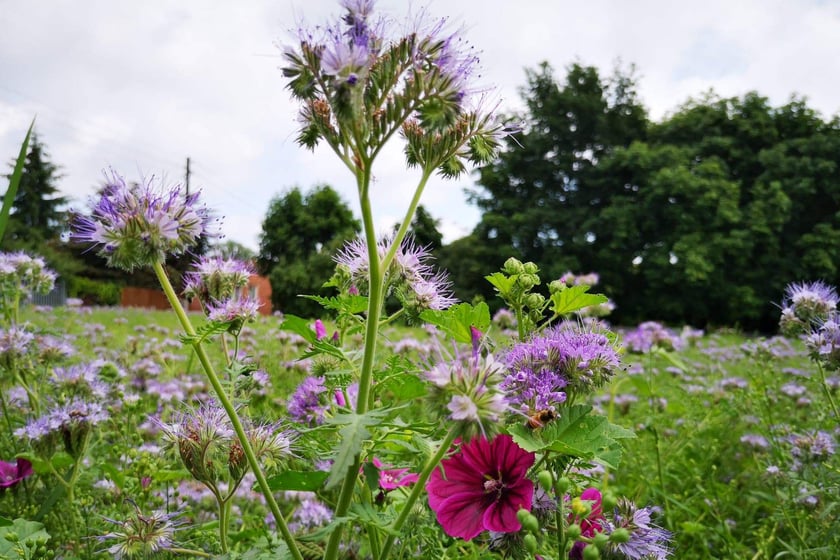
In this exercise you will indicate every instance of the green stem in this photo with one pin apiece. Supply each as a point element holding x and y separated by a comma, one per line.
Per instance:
<point>376,281</point>
<point>406,223</point>
<point>828,392</point>
<point>224,511</point>
<point>12,437</point>
<point>188,552</point>
<point>418,488</point>
<point>229,409</point>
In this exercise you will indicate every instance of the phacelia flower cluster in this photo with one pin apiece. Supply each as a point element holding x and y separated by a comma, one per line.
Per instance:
<point>365,72</point>
<point>565,358</point>
<point>142,536</point>
<point>806,304</point>
<point>650,335</point>
<point>135,225</point>
<point>467,390</point>
<point>68,424</point>
<point>215,279</point>
<point>410,276</point>
<point>22,275</point>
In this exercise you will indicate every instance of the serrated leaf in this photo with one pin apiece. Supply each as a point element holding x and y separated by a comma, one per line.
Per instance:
<point>351,305</point>
<point>298,480</point>
<point>574,299</point>
<point>300,326</point>
<point>457,320</point>
<point>403,386</point>
<point>502,283</point>
<point>27,531</point>
<point>575,433</point>
<point>352,434</point>
<point>206,331</point>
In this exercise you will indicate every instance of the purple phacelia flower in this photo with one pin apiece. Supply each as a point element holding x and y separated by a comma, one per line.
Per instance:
<point>216,279</point>
<point>135,225</point>
<point>565,358</point>
<point>806,304</point>
<point>308,404</point>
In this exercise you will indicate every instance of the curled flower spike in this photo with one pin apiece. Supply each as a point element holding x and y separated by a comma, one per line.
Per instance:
<point>134,225</point>
<point>363,78</point>
<point>216,279</point>
<point>142,536</point>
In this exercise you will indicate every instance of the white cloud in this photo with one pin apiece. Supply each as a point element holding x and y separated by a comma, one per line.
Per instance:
<point>141,86</point>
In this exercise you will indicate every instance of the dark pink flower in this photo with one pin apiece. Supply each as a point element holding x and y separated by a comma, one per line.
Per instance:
<point>390,479</point>
<point>482,487</point>
<point>320,329</point>
<point>590,524</point>
<point>12,473</point>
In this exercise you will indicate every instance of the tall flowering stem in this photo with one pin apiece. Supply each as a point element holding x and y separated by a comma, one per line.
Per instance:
<point>221,394</point>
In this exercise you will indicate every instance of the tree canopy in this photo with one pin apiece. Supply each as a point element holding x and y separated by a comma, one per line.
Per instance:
<point>300,234</point>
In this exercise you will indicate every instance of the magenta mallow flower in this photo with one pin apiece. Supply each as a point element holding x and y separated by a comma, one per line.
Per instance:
<point>135,225</point>
<point>391,479</point>
<point>13,473</point>
<point>482,487</point>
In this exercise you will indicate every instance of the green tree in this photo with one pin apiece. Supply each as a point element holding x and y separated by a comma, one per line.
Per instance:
<point>300,234</point>
<point>37,214</point>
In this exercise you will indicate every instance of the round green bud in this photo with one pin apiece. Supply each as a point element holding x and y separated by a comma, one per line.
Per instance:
<point>563,484</point>
<point>531,524</point>
<point>522,515</point>
<point>620,535</point>
<point>531,268</point>
<point>590,552</point>
<point>513,266</point>
<point>11,536</point>
<point>600,540</point>
<point>573,531</point>
<point>608,501</point>
<point>556,286</point>
<point>535,301</point>
<point>526,281</point>
<point>545,480</point>
<point>530,542</point>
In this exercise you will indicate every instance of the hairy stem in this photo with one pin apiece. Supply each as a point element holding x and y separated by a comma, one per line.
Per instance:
<point>219,389</point>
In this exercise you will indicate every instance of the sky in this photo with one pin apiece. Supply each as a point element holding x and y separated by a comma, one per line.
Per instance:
<point>141,86</point>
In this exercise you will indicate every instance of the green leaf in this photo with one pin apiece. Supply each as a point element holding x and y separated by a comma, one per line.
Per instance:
<point>352,434</point>
<point>206,331</point>
<point>457,320</point>
<point>345,304</point>
<point>61,460</point>
<point>502,282</point>
<point>301,326</point>
<point>14,181</point>
<point>5,522</point>
<point>26,531</point>
<point>39,466</point>
<point>403,386</point>
<point>114,474</point>
<point>298,480</point>
<point>573,299</point>
<point>575,433</point>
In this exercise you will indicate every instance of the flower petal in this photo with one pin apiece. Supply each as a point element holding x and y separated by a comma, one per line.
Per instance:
<point>501,515</point>
<point>461,515</point>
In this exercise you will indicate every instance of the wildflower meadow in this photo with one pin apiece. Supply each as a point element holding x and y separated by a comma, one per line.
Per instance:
<point>404,423</point>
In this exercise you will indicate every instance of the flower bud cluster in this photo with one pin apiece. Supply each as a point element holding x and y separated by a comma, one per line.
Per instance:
<point>805,305</point>
<point>210,451</point>
<point>22,275</point>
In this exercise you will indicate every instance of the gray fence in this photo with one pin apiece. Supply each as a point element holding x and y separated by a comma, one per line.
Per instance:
<point>56,298</point>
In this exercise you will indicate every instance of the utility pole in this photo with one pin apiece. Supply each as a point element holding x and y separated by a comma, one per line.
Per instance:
<point>187,182</point>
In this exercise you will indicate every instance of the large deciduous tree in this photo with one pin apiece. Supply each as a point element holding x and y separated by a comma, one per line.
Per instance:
<point>300,234</point>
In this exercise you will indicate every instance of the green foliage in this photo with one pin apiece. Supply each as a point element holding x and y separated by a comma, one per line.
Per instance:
<point>665,212</point>
<point>300,234</point>
<point>94,292</point>
<point>457,321</point>
<point>23,540</point>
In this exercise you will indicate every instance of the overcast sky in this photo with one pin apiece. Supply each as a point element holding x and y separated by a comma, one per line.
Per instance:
<point>140,86</point>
